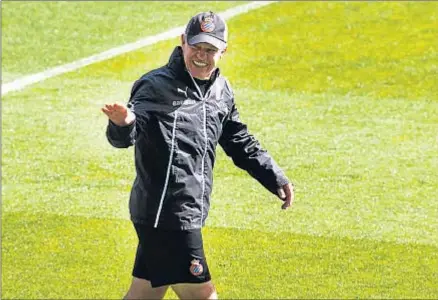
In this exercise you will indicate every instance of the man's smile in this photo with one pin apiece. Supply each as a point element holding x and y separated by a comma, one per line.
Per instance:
<point>199,64</point>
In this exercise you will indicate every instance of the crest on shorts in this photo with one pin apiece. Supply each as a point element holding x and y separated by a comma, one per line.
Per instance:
<point>207,24</point>
<point>196,268</point>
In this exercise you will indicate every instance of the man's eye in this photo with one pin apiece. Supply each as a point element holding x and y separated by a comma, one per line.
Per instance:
<point>211,51</point>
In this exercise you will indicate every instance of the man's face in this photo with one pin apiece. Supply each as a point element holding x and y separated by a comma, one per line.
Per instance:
<point>200,59</point>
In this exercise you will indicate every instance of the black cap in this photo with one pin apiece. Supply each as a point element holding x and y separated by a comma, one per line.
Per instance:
<point>207,27</point>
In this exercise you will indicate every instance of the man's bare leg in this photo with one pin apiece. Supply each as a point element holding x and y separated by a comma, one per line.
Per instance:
<point>142,289</point>
<point>204,290</point>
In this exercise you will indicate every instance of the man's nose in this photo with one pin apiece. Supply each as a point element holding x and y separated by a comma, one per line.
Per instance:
<point>202,53</point>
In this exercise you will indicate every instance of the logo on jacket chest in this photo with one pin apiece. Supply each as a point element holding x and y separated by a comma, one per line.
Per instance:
<point>183,102</point>
<point>181,91</point>
<point>186,101</point>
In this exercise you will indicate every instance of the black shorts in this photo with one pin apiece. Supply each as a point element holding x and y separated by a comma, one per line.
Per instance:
<point>166,257</point>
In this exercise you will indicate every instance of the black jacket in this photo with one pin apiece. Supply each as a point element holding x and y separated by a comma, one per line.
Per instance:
<point>175,134</point>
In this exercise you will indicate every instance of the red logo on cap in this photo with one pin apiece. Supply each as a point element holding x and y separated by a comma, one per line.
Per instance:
<point>207,24</point>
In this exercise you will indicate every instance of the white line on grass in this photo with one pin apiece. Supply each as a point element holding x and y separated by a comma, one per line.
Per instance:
<point>21,83</point>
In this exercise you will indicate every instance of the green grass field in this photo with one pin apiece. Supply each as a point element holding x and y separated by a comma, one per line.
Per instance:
<point>343,94</point>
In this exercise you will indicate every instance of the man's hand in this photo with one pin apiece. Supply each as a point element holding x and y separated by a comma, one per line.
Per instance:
<point>119,114</point>
<point>286,193</point>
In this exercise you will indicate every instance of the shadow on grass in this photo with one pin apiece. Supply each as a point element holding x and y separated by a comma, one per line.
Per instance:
<point>55,257</point>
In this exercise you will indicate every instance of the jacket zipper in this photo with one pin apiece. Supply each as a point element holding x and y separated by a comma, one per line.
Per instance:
<point>169,164</point>
<point>204,109</point>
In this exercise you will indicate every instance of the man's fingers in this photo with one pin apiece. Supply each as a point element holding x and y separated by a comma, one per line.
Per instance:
<point>287,202</point>
<point>115,106</point>
<point>106,111</point>
<point>109,112</point>
<point>111,109</point>
<point>286,193</point>
<point>285,205</point>
<point>118,114</point>
<point>119,107</point>
<point>283,196</point>
<point>281,193</point>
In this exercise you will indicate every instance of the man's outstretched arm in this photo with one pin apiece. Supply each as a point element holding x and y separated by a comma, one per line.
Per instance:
<point>126,121</point>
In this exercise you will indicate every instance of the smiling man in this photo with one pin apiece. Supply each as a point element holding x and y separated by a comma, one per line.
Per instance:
<point>175,117</point>
<point>203,44</point>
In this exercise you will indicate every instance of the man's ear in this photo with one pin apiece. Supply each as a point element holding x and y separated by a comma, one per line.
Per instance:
<point>223,52</point>
<point>183,39</point>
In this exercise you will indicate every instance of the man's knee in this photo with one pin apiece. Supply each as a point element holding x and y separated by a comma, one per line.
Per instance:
<point>195,291</point>
<point>209,291</point>
<point>142,289</point>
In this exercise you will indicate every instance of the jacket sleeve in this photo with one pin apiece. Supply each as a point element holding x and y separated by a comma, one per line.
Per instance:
<point>121,136</point>
<point>247,153</point>
<point>125,136</point>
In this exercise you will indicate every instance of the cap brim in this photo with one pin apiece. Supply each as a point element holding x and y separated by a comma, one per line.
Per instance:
<point>206,38</point>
